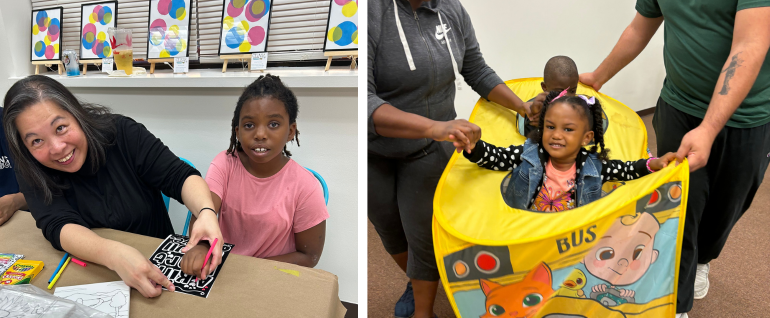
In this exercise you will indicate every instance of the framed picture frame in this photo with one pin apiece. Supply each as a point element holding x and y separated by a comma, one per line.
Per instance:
<point>244,29</point>
<point>46,34</point>
<point>169,29</point>
<point>342,26</point>
<point>95,19</point>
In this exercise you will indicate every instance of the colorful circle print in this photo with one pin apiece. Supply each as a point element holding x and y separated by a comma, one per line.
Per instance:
<point>173,8</point>
<point>93,40</point>
<point>235,7</point>
<point>241,35</point>
<point>46,47</point>
<point>256,9</point>
<point>101,15</point>
<point>344,33</point>
<point>157,32</point>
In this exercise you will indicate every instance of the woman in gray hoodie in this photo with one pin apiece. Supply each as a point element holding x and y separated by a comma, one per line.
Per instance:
<point>417,52</point>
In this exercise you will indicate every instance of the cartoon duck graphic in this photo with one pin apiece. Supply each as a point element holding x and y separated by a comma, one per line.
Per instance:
<point>573,285</point>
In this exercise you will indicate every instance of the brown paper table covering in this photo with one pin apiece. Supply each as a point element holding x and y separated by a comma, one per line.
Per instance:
<point>246,286</point>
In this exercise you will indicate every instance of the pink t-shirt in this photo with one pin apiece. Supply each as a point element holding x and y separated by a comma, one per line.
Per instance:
<point>558,190</point>
<point>261,215</point>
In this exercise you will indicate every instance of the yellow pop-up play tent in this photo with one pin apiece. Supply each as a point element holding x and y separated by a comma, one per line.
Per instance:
<point>615,257</point>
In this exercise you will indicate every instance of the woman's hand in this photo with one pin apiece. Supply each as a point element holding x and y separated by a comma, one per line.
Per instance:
<point>192,261</point>
<point>462,133</point>
<point>535,107</point>
<point>206,227</point>
<point>662,162</point>
<point>137,271</point>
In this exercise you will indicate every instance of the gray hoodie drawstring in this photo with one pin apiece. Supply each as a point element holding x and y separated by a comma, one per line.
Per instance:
<point>403,39</point>
<point>458,81</point>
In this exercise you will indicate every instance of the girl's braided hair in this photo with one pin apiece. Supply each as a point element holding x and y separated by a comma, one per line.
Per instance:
<point>265,86</point>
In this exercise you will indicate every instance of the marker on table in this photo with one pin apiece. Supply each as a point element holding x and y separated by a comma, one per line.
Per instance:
<point>211,249</point>
<point>59,267</point>
<point>59,273</point>
<point>81,263</point>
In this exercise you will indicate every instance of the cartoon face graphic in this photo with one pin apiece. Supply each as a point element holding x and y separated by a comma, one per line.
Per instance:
<point>625,252</point>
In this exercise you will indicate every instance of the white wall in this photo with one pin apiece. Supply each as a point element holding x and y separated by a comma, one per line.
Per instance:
<point>15,24</point>
<point>518,37</point>
<point>195,124</point>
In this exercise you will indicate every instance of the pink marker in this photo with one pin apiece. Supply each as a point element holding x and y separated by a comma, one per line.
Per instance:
<point>207,256</point>
<point>81,263</point>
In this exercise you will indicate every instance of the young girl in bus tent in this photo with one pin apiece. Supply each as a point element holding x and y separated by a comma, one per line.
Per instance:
<point>552,171</point>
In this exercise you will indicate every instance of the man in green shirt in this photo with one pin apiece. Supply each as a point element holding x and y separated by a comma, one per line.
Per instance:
<point>716,101</point>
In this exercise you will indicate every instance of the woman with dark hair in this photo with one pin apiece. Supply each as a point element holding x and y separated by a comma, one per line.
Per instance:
<point>80,167</point>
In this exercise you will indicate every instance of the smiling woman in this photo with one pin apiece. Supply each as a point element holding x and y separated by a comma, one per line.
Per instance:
<point>79,167</point>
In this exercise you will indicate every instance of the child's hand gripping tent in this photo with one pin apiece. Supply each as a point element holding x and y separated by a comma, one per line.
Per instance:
<point>616,257</point>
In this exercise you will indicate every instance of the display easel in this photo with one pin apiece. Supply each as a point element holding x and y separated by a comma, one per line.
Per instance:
<point>86,62</point>
<point>47,64</point>
<point>353,55</point>
<point>153,61</point>
<point>241,57</point>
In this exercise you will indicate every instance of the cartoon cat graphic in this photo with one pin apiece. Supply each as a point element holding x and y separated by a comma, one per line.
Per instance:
<point>522,299</point>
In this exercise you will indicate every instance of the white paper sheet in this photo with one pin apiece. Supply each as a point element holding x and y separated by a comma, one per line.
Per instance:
<point>111,298</point>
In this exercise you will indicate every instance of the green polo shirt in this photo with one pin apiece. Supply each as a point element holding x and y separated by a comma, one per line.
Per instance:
<point>697,38</point>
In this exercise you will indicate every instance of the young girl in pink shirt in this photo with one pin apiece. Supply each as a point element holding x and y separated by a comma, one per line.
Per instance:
<point>268,205</point>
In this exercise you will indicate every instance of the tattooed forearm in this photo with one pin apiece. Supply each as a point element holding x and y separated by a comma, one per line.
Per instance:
<point>730,72</point>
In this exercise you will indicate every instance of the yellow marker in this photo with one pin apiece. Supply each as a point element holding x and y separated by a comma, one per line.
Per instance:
<point>59,273</point>
<point>290,272</point>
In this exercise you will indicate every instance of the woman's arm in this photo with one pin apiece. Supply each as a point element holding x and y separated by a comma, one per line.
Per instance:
<point>132,267</point>
<point>392,122</point>
<point>309,244</point>
<point>9,204</point>
<point>504,96</point>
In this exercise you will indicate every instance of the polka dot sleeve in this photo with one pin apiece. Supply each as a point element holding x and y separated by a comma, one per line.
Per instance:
<point>495,158</point>
<point>624,171</point>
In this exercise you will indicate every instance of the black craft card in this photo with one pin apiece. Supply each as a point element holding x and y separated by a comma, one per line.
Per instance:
<point>168,257</point>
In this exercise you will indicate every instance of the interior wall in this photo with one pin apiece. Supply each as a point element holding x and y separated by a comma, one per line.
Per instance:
<point>518,37</point>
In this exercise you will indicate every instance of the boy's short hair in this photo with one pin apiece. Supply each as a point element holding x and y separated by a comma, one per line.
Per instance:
<point>560,66</point>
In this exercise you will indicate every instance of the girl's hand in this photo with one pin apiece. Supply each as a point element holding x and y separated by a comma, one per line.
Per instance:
<point>137,271</point>
<point>207,228</point>
<point>192,261</point>
<point>662,162</point>
<point>462,133</point>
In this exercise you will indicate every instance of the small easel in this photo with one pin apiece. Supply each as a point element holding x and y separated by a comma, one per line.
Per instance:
<point>86,62</point>
<point>153,61</point>
<point>353,55</point>
<point>37,64</point>
<point>241,57</point>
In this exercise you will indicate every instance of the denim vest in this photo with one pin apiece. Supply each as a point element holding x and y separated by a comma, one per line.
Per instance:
<point>528,176</point>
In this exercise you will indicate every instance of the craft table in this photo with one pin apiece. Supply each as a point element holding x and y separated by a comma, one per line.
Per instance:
<point>245,287</point>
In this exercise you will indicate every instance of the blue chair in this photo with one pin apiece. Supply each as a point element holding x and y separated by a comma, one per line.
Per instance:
<point>166,200</point>
<point>323,184</point>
